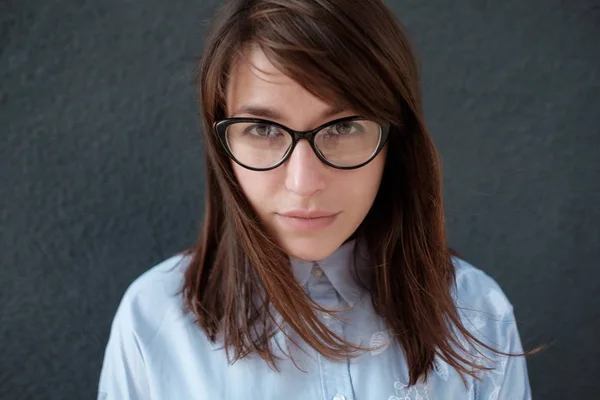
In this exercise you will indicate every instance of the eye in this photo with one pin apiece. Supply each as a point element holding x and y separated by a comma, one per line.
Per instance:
<point>264,130</point>
<point>344,128</point>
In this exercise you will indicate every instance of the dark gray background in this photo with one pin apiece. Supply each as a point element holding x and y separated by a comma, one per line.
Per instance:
<point>101,169</point>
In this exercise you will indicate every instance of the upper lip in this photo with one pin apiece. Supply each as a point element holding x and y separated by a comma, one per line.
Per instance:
<point>303,213</point>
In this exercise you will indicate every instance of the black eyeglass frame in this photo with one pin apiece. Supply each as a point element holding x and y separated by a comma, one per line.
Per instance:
<point>220,127</point>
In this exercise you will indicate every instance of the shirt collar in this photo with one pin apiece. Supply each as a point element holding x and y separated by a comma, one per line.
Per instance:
<point>338,268</point>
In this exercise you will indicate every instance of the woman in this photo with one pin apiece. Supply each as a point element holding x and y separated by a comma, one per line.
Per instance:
<point>322,270</point>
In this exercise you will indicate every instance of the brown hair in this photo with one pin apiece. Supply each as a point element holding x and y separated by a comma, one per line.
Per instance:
<point>351,53</point>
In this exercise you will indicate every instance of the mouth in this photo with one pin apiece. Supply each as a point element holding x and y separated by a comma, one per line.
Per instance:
<point>308,214</point>
<point>306,220</point>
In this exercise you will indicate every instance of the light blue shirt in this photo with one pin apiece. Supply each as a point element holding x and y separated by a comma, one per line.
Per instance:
<point>156,351</point>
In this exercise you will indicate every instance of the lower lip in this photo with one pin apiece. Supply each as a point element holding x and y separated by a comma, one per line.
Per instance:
<point>307,224</point>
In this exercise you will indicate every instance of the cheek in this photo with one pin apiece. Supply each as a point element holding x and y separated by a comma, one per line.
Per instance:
<point>360,188</point>
<point>258,187</point>
<point>358,197</point>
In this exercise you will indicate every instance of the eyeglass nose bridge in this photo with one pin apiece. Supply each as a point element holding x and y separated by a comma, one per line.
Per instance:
<point>309,136</point>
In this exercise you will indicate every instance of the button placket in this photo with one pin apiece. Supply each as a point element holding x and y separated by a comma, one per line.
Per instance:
<point>335,375</point>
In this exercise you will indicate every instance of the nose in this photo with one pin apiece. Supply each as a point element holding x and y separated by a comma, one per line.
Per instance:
<point>304,171</point>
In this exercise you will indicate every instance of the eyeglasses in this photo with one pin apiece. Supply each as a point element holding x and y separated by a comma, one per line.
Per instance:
<point>261,145</point>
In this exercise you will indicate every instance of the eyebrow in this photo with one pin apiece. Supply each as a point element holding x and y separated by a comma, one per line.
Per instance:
<point>272,114</point>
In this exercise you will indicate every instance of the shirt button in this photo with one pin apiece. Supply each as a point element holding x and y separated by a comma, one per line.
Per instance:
<point>339,396</point>
<point>317,271</point>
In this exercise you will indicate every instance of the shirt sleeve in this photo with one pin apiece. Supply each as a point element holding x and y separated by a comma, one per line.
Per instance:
<point>123,373</point>
<point>489,315</point>
<point>509,380</point>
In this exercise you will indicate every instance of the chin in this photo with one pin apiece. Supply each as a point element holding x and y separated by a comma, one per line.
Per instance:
<point>311,249</point>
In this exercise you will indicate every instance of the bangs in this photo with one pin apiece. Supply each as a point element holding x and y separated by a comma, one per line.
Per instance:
<point>308,49</point>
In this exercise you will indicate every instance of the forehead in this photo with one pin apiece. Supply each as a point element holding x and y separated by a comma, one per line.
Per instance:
<point>256,84</point>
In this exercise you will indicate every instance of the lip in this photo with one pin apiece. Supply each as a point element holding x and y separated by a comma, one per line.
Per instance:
<point>306,220</point>
<point>308,214</point>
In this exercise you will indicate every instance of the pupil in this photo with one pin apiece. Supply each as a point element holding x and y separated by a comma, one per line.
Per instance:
<point>343,127</point>
<point>262,130</point>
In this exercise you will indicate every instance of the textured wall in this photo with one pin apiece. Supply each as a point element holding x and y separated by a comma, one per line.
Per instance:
<point>101,169</point>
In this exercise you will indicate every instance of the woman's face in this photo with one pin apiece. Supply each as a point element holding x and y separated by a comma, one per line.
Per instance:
<point>309,207</point>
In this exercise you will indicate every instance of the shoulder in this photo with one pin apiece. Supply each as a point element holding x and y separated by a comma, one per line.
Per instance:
<point>486,312</point>
<point>488,315</point>
<point>477,292</point>
<point>150,301</point>
<point>151,297</point>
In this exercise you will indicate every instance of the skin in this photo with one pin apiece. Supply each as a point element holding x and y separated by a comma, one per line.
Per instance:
<point>303,181</point>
